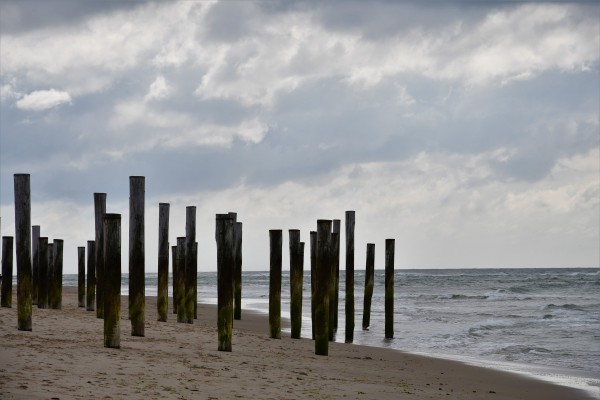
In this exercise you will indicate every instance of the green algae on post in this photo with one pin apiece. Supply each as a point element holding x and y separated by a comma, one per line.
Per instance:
<point>224,236</point>
<point>162,300</point>
<point>137,258</point>
<point>112,280</point>
<point>275,240</point>
<point>23,250</point>
<point>369,282</point>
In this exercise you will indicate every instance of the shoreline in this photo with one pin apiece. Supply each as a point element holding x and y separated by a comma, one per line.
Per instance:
<point>64,357</point>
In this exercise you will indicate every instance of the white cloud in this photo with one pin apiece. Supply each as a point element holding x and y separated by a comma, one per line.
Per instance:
<point>159,89</point>
<point>40,100</point>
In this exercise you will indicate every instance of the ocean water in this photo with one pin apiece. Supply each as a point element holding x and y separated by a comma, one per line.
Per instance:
<point>541,322</point>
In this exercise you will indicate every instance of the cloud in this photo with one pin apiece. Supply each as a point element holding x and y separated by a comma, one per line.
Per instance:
<point>159,89</point>
<point>40,100</point>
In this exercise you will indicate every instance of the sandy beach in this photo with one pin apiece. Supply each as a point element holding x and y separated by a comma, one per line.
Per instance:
<point>64,358</point>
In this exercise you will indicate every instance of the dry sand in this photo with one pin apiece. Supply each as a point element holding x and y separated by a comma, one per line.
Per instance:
<point>64,358</point>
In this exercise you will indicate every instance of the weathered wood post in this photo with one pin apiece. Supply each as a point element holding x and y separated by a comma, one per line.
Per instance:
<point>296,277</point>
<point>195,266</point>
<point>180,284</point>
<point>350,221</point>
<point>336,262</point>
<point>162,300</point>
<point>174,255</point>
<point>99,211</point>
<point>275,238</point>
<point>335,237</point>
<point>190,278</point>
<point>313,278</point>
<point>50,275</point>
<point>35,236</point>
<point>43,272</point>
<point>369,281</point>
<point>389,288</point>
<point>137,257</point>
<point>55,299</point>
<point>81,276</point>
<point>91,276</point>
<point>323,268</point>
<point>112,280</point>
<point>7,271</point>
<point>224,236</point>
<point>23,250</point>
<point>237,275</point>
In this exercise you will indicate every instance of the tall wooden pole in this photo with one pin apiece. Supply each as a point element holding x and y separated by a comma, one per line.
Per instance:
<point>91,276</point>
<point>323,267</point>
<point>174,255</point>
<point>237,275</point>
<point>191,279</point>
<point>296,277</point>
<point>336,265</point>
<point>369,282</point>
<point>335,238</point>
<point>180,284</point>
<point>99,211</point>
<point>50,275</point>
<point>313,278</point>
<point>112,280</point>
<point>224,236</point>
<point>7,271</point>
<point>57,273</point>
<point>350,222</point>
<point>35,236</point>
<point>137,257</point>
<point>162,300</point>
<point>81,276</point>
<point>23,250</point>
<point>275,238</point>
<point>389,288</point>
<point>43,272</point>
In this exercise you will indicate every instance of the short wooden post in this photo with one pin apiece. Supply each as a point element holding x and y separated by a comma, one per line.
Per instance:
<point>369,282</point>
<point>296,276</point>
<point>7,271</point>
<point>275,238</point>
<point>174,255</point>
<point>162,300</point>
<point>35,236</point>
<point>237,275</point>
<point>55,299</point>
<point>43,272</point>
<point>180,284</point>
<point>81,276</point>
<point>389,288</point>
<point>91,276</point>
<point>137,257</point>
<point>224,236</point>
<point>190,278</point>
<point>313,278</point>
<point>99,211</point>
<point>336,265</point>
<point>23,250</point>
<point>323,268</point>
<point>112,280</point>
<point>335,238</point>
<point>350,222</point>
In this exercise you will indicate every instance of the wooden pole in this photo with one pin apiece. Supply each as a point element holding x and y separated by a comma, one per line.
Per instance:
<point>112,280</point>
<point>296,276</point>
<point>237,275</point>
<point>50,275</point>
<point>180,284</point>
<point>137,257</point>
<point>335,238</point>
<point>162,300</point>
<point>323,268</point>
<point>350,222</point>
<point>99,211</point>
<point>195,266</point>
<point>81,276</point>
<point>43,272</point>
<point>336,265</point>
<point>91,276</point>
<point>35,236</point>
<point>369,282</point>
<point>23,250</point>
<point>313,278</point>
<point>389,288</point>
<point>174,255</point>
<point>190,278</point>
<point>57,273</point>
<point>7,271</point>
<point>224,236</point>
<point>275,238</point>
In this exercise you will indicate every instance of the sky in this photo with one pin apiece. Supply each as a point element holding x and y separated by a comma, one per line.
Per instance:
<point>468,131</point>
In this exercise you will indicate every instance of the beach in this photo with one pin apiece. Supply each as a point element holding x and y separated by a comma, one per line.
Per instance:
<point>64,358</point>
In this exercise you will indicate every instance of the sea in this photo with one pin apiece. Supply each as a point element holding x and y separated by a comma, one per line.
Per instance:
<point>539,322</point>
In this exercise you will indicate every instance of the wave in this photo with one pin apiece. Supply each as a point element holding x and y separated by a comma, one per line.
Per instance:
<point>565,307</point>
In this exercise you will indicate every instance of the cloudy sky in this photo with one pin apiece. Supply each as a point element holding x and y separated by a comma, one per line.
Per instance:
<point>468,130</point>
